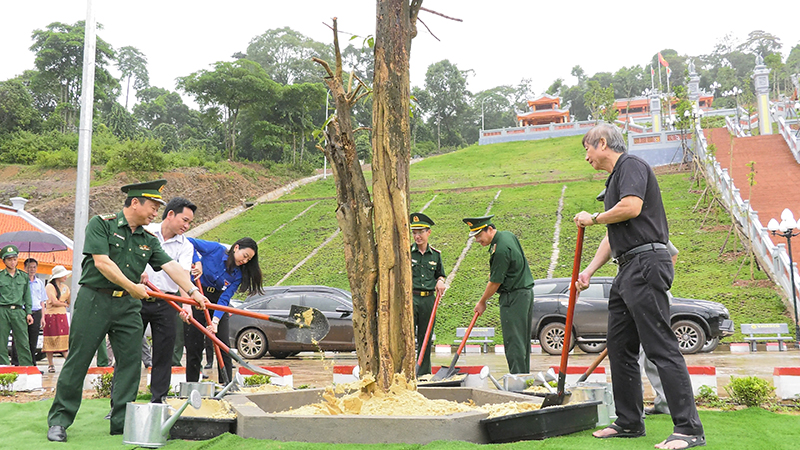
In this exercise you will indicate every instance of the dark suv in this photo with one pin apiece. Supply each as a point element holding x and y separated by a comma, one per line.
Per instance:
<point>254,337</point>
<point>698,324</point>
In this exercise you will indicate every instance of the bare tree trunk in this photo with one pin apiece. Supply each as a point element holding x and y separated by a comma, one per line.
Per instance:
<point>395,28</point>
<point>354,214</point>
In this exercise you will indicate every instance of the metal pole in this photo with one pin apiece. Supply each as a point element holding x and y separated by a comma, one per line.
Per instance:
<point>794,289</point>
<point>482,125</point>
<point>84,146</point>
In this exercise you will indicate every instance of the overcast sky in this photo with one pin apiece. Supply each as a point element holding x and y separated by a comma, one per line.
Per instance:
<point>502,41</point>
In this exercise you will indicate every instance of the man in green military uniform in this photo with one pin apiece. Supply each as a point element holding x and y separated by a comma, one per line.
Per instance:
<point>117,248</point>
<point>15,307</point>
<point>427,275</point>
<point>511,277</point>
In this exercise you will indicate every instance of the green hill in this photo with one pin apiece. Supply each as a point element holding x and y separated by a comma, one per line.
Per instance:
<point>523,181</point>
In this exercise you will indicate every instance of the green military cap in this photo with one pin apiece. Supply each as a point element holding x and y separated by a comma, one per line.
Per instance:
<point>419,220</point>
<point>9,250</point>
<point>476,224</point>
<point>149,189</point>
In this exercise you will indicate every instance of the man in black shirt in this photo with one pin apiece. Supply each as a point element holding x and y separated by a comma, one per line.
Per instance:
<point>638,305</point>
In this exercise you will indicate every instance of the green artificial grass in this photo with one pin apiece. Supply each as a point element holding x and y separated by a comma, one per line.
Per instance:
<point>24,426</point>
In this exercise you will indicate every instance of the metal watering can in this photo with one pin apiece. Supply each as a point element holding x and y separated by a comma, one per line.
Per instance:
<point>587,392</point>
<point>147,424</point>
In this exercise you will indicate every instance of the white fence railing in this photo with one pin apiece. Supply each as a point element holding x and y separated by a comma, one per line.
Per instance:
<point>774,258</point>
<point>790,136</point>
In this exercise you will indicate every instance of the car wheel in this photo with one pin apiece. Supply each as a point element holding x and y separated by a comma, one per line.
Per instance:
<point>592,347</point>
<point>551,338</point>
<point>294,353</point>
<point>710,345</point>
<point>279,355</point>
<point>252,343</point>
<point>691,336</point>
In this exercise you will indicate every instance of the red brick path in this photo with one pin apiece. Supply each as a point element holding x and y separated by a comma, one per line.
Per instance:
<point>777,175</point>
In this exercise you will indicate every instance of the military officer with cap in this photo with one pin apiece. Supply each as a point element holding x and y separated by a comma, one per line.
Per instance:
<point>427,275</point>
<point>117,248</point>
<point>15,307</point>
<point>511,277</point>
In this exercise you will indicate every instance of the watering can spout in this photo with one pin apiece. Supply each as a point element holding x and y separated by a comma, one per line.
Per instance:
<point>194,399</point>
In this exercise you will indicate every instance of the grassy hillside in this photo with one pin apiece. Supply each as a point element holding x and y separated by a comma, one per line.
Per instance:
<point>465,183</point>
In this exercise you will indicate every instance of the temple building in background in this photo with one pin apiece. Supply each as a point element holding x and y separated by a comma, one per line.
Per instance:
<point>544,110</point>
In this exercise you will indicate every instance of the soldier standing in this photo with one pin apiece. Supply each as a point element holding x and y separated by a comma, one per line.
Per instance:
<point>117,249</point>
<point>427,274</point>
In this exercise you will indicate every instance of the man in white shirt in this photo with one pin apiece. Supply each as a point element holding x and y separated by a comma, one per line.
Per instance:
<point>178,216</point>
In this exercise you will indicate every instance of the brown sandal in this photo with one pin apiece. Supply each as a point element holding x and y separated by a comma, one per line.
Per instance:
<point>51,369</point>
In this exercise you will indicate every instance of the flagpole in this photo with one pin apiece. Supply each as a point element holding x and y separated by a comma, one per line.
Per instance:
<point>652,83</point>
<point>669,99</point>
<point>659,76</point>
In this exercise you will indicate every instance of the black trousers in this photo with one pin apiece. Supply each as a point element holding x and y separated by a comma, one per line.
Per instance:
<point>195,342</point>
<point>161,317</point>
<point>638,312</point>
<point>33,338</point>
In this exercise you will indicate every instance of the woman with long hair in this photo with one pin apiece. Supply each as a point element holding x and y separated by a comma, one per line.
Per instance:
<point>56,325</point>
<point>225,271</point>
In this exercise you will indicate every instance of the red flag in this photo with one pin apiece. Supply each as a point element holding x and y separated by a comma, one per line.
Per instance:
<point>662,60</point>
<point>652,71</point>
<point>669,72</point>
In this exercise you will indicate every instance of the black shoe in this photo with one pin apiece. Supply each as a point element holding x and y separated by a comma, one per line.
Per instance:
<point>115,432</point>
<point>205,377</point>
<point>108,416</point>
<point>208,366</point>
<point>57,433</point>
<point>652,411</point>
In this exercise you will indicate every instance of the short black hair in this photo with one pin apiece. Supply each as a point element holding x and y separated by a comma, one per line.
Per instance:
<point>177,204</point>
<point>31,260</point>
<point>129,201</point>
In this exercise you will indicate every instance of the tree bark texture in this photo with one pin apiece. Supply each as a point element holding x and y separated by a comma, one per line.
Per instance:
<point>354,215</point>
<point>395,28</point>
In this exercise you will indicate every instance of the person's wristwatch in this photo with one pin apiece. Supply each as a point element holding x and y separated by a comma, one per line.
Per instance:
<point>594,217</point>
<point>192,290</point>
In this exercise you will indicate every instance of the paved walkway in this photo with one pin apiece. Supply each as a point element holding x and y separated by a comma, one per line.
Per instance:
<point>777,175</point>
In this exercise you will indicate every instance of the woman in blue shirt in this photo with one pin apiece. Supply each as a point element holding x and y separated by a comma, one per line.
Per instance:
<point>224,272</point>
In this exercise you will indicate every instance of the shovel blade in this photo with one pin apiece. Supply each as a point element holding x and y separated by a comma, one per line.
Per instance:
<point>444,373</point>
<point>308,331</point>
<point>556,399</point>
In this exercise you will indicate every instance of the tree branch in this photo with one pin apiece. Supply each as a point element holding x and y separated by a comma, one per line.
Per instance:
<point>440,14</point>
<point>429,31</point>
<point>336,48</point>
<point>324,64</point>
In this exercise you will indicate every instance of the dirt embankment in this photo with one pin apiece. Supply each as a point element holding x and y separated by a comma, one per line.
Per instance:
<point>51,193</point>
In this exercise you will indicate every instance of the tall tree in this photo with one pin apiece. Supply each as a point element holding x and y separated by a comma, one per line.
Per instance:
<point>285,55</point>
<point>16,108</point>
<point>600,101</point>
<point>448,95</point>
<point>59,64</point>
<point>761,42</point>
<point>133,65</point>
<point>226,90</point>
<point>395,28</point>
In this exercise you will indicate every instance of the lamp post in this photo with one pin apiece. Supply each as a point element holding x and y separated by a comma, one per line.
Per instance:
<point>482,124</point>
<point>786,228</point>
<point>734,92</point>
<point>714,86</point>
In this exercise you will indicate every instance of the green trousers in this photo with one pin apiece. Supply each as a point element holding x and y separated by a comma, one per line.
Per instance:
<point>102,354</point>
<point>96,315</point>
<point>14,320</point>
<point>516,313</point>
<point>423,308</point>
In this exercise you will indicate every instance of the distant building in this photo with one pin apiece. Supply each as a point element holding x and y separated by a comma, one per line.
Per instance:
<point>639,107</point>
<point>15,218</point>
<point>544,110</point>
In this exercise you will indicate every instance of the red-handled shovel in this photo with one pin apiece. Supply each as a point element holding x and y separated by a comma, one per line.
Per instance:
<point>217,350</point>
<point>211,335</point>
<point>447,372</point>
<point>428,332</point>
<point>561,396</point>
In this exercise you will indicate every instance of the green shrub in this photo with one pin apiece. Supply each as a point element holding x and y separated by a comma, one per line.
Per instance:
<point>712,122</point>
<point>24,147</point>
<point>7,382</point>
<point>136,157</point>
<point>102,385</point>
<point>256,380</point>
<point>61,159</point>
<point>708,396</point>
<point>749,391</point>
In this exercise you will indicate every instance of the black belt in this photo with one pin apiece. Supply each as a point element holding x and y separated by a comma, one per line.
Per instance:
<point>12,306</point>
<point>627,256</point>
<point>111,292</point>
<point>423,293</point>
